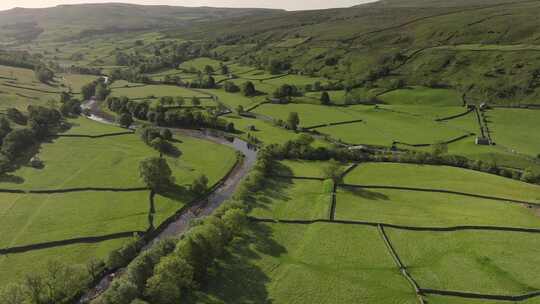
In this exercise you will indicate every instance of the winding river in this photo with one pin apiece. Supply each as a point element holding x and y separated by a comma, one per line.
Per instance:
<point>199,209</point>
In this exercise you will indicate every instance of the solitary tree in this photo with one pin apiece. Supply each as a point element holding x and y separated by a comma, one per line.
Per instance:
<point>248,88</point>
<point>200,185</point>
<point>180,101</point>
<point>196,101</point>
<point>156,173</point>
<point>325,98</point>
<point>439,149</point>
<point>208,70</point>
<point>293,121</point>
<point>125,120</point>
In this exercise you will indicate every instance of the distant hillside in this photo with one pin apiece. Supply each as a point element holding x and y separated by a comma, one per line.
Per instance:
<point>488,49</point>
<point>69,21</point>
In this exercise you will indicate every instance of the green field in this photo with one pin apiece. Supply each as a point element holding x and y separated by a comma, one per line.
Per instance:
<point>320,263</point>
<point>146,91</point>
<point>411,208</point>
<point>513,129</point>
<point>110,162</point>
<point>422,96</point>
<point>296,199</point>
<point>20,88</point>
<point>473,261</point>
<point>442,177</point>
<point>382,126</point>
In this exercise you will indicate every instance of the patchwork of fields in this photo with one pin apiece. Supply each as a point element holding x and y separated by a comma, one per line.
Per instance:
<point>114,209</point>
<point>309,241</point>
<point>296,251</point>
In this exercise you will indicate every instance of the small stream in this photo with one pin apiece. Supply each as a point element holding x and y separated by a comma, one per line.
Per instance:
<point>199,209</point>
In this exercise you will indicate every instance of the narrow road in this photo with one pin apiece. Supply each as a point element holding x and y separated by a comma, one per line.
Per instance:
<point>199,209</point>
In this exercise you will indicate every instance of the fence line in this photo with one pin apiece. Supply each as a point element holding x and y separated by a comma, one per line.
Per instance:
<point>333,124</point>
<point>399,227</point>
<point>94,136</point>
<point>81,240</point>
<point>509,200</point>
<point>472,295</point>
<point>399,264</point>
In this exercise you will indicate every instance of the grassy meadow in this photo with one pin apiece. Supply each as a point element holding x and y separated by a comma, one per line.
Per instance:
<point>320,263</point>
<point>110,162</point>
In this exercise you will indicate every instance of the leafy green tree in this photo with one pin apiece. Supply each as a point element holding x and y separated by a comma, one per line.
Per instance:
<point>293,121</point>
<point>88,90</point>
<point>208,69</point>
<point>17,141</point>
<point>224,69</point>
<point>439,149</point>
<point>325,98</point>
<point>248,88</point>
<point>231,87</point>
<point>180,101</point>
<point>235,220</point>
<point>101,91</point>
<point>200,185</point>
<point>333,170</point>
<point>125,120</point>
<point>13,294</point>
<point>44,74</point>
<point>16,116</point>
<point>171,276</point>
<point>94,267</point>
<point>5,128</point>
<point>166,134</point>
<point>121,291</point>
<point>156,173</point>
<point>240,109</point>
<point>196,101</point>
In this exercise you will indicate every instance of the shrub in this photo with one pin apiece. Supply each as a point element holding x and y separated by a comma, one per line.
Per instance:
<point>16,116</point>
<point>17,141</point>
<point>156,173</point>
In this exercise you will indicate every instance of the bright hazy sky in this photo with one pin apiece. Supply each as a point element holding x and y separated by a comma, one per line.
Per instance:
<point>284,4</point>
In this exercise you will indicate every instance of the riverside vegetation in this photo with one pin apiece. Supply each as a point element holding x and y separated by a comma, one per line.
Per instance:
<point>397,154</point>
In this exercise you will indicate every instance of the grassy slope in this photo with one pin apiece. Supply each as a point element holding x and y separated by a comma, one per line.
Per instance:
<point>484,262</point>
<point>106,162</point>
<point>429,209</point>
<point>514,129</point>
<point>320,263</point>
<point>441,177</point>
<point>297,199</point>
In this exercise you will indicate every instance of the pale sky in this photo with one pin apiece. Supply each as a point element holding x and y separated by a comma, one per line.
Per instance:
<point>283,4</point>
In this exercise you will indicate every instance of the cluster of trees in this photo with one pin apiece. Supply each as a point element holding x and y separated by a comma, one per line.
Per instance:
<point>85,70</point>
<point>96,89</point>
<point>203,82</point>
<point>69,106</point>
<point>40,123</point>
<point>231,87</point>
<point>170,270</point>
<point>156,174</point>
<point>301,148</point>
<point>276,66</point>
<point>248,89</point>
<point>178,118</point>
<point>292,123</point>
<point>43,73</point>
<point>286,92</point>
<point>18,59</point>
<point>59,283</point>
<point>159,139</point>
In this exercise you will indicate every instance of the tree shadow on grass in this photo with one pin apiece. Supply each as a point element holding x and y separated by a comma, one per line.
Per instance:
<point>274,189</point>
<point>11,179</point>
<point>363,193</point>
<point>237,278</point>
<point>176,193</point>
